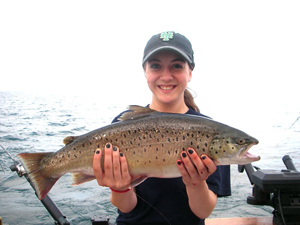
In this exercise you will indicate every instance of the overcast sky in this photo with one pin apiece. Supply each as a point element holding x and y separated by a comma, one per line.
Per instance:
<point>247,53</point>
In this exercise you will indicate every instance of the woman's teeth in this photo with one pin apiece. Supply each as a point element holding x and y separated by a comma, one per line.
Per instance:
<point>166,87</point>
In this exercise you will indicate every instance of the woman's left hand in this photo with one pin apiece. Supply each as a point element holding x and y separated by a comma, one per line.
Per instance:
<point>193,168</point>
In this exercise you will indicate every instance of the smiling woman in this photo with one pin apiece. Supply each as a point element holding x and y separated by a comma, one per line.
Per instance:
<point>168,64</point>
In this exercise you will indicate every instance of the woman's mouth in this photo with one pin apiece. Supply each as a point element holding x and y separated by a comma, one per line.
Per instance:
<point>166,87</point>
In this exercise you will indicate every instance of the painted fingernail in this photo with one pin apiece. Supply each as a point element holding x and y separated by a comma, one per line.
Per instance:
<point>121,154</point>
<point>203,157</point>
<point>115,148</point>
<point>183,154</point>
<point>190,151</point>
<point>97,152</point>
<point>179,162</point>
<point>107,145</point>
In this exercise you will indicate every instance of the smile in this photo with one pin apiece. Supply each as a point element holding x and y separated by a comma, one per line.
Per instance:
<point>166,87</point>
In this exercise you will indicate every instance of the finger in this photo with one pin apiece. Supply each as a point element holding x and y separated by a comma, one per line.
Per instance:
<point>108,167</point>
<point>210,165</point>
<point>97,166</point>
<point>182,169</point>
<point>116,164</point>
<point>124,168</point>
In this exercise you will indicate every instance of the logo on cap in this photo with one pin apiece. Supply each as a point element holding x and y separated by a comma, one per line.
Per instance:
<point>166,36</point>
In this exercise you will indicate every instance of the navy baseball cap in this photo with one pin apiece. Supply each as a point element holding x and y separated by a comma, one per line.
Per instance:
<point>170,41</point>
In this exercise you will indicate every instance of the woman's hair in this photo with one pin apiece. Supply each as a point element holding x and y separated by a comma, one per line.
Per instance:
<point>189,100</point>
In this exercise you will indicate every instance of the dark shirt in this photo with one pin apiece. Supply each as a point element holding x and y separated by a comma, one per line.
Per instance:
<point>165,201</point>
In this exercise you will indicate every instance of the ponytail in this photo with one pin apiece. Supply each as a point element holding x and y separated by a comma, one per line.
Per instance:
<point>189,100</point>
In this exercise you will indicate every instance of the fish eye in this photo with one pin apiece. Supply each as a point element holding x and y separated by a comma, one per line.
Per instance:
<point>241,141</point>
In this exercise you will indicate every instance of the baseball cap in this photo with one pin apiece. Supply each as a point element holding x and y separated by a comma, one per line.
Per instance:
<point>170,41</point>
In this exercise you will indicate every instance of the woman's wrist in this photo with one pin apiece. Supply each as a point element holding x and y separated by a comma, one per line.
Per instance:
<point>120,191</point>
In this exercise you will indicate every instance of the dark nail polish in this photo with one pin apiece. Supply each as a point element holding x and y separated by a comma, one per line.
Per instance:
<point>190,151</point>
<point>115,149</point>
<point>121,154</point>
<point>179,162</point>
<point>203,157</point>
<point>107,145</point>
<point>183,154</point>
<point>97,152</point>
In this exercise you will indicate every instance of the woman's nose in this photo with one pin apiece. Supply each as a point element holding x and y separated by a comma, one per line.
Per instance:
<point>166,75</point>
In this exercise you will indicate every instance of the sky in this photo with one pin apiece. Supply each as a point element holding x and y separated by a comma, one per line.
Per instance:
<point>247,53</point>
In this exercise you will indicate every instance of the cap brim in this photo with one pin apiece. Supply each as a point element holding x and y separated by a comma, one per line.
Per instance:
<point>167,48</point>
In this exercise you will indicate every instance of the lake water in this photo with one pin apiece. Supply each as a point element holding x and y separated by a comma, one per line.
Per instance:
<point>35,122</point>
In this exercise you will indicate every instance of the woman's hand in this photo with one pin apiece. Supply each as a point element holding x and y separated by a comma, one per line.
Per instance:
<point>193,168</point>
<point>115,174</point>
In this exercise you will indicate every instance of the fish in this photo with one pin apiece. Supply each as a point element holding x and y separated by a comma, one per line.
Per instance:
<point>151,141</point>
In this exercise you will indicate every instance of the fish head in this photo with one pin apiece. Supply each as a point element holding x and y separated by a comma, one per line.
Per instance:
<point>232,149</point>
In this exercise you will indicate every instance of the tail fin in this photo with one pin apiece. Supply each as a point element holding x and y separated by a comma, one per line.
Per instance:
<point>31,163</point>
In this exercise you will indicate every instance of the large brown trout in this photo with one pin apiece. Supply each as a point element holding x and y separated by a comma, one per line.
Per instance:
<point>151,141</point>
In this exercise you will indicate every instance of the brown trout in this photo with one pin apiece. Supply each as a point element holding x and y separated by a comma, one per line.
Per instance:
<point>151,141</point>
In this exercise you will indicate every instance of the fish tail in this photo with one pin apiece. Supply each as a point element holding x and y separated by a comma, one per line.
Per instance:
<point>32,165</point>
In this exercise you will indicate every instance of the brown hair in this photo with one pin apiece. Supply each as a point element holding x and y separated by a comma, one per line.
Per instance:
<point>189,100</point>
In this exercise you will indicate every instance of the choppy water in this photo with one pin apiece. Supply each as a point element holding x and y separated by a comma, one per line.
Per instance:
<point>38,122</point>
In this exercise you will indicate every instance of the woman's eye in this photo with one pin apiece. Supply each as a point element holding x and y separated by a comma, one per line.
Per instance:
<point>155,66</point>
<point>177,66</point>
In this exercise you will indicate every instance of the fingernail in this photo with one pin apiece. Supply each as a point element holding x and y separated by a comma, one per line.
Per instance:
<point>178,162</point>
<point>190,151</point>
<point>183,154</point>
<point>107,145</point>
<point>203,157</point>
<point>115,148</point>
<point>121,154</point>
<point>97,152</point>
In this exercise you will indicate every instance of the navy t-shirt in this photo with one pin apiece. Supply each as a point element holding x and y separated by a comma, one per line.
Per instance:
<point>164,201</point>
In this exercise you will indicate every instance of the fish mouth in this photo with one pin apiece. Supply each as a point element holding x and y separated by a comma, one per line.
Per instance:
<point>243,153</point>
<point>167,87</point>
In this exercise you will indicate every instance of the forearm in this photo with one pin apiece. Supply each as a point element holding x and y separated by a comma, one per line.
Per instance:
<point>202,201</point>
<point>125,202</point>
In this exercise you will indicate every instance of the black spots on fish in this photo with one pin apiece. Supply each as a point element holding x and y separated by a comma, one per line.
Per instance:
<point>75,156</point>
<point>176,151</point>
<point>169,140</point>
<point>74,149</point>
<point>183,149</point>
<point>192,143</point>
<point>157,149</point>
<point>205,144</point>
<point>98,146</point>
<point>134,152</point>
<point>83,145</point>
<point>183,137</point>
<point>145,150</point>
<point>177,139</point>
<point>130,142</point>
<point>164,160</point>
<point>169,152</point>
<point>124,135</point>
<point>203,150</point>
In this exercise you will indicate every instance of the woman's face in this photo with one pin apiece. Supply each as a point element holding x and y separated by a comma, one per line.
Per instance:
<point>167,75</point>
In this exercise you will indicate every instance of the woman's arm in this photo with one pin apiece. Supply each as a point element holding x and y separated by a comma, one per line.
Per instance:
<point>116,176</point>
<point>195,170</point>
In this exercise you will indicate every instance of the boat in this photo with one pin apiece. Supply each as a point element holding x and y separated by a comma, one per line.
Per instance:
<point>279,189</point>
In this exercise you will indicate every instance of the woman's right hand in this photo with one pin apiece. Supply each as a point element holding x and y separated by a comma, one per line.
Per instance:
<point>116,174</point>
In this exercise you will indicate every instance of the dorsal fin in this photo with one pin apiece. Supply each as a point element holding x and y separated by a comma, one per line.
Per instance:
<point>136,112</point>
<point>69,139</point>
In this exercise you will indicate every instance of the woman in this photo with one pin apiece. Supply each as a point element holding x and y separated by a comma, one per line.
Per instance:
<point>168,63</point>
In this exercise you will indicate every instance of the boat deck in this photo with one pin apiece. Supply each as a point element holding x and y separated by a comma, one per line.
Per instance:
<point>240,221</point>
